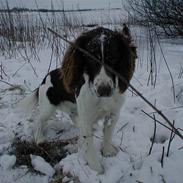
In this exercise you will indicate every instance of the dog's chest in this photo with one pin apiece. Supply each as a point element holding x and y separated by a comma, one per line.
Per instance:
<point>101,106</point>
<point>91,107</point>
<point>104,104</point>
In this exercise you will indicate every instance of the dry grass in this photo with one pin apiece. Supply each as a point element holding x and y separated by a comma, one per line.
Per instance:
<point>52,152</point>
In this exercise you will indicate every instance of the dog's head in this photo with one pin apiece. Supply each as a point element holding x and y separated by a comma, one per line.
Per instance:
<point>112,48</point>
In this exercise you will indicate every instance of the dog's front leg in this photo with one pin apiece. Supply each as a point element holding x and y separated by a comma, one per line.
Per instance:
<point>46,110</point>
<point>85,106</point>
<point>88,148</point>
<point>109,148</point>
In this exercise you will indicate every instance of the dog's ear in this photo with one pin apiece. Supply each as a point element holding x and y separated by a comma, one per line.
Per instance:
<point>128,55</point>
<point>73,66</point>
<point>126,33</point>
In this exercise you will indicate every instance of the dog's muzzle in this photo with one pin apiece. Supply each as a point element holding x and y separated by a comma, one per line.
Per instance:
<point>104,90</point>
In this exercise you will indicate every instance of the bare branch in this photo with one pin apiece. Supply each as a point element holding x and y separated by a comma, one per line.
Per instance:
<point>154,135</point>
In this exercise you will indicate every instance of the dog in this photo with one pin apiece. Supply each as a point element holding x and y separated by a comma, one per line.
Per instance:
<point>87,90</point>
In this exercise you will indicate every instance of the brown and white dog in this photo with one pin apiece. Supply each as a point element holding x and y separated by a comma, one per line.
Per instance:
<point>86,90</point>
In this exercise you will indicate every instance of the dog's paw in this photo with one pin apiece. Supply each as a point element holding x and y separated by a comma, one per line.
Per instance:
<point>93,162</point>
<point>109,150</point>
<point>97,166</point>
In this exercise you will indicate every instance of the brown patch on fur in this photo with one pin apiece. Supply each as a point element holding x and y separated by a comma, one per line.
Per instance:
<point>67,69</point>
<point>127,66</point>
<point>73,66</point>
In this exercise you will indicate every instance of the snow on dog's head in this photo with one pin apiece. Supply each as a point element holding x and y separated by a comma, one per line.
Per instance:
<point>112,48</point>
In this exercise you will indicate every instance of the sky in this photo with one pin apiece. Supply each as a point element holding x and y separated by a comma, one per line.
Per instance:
<point>68,4</point>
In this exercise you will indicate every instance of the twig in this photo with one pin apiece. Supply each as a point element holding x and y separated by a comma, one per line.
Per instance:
<point>2,71</point>
<point>180,129</point>
<point>138,81</point>
<point>51,58</point>
<point>19,69</point>
<point>170,140</point>
<point>139,181</point>
<point>171,77</point>
<point>26,58</point>
<point>180,148</point>
<point>163,179</point>
<point>157,120</point>
<point>162,157</point>
<point>1,75</point>
<point>122,127</point>
<point>121,139</point>
<point>154,135</point>
<point>122,79</point>
<point>7,83</point>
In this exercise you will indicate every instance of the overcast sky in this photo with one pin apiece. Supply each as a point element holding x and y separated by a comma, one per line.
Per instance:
<point>68,4</point>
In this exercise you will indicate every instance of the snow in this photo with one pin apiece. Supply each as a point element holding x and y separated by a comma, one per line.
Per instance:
<point>65,179</point>
<point>21,175</point>
<point>41,165</point>
<point>68,4</point>
<point>133,132</point>
<point>7,161</point>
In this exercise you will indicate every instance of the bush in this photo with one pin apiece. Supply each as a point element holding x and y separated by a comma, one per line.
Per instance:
<point>167,14</point>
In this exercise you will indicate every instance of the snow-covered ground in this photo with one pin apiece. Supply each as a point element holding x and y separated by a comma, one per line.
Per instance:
<point>133,132</point>
<point>68,4</point>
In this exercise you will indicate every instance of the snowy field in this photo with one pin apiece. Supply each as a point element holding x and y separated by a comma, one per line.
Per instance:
<point>68,4</point>
<point>133,132</point>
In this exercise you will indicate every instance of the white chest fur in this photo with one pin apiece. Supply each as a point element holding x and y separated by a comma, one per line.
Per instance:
<point>93,107</point>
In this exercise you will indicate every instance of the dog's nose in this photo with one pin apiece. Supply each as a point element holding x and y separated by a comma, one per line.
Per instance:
<point>104,90</point>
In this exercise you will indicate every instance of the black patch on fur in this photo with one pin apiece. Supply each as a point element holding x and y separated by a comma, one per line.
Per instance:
<point>57,93</point>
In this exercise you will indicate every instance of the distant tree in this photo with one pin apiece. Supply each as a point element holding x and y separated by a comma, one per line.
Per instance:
<point>17,9</point>
<point>167,14</point>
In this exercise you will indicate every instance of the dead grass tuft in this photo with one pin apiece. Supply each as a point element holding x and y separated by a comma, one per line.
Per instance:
<point>52,152</point>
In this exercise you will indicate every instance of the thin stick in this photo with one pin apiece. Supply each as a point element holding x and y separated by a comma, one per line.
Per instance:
<point>122,79</point>
<point>7,83</point>
<point>170,140</point>
<point>1,75</point>
<point>154,135</point>
<point>2,71</point>
<point>171,77</point>
<point>157,120</point>
<point>19,69</point>
<point>122,127</point>
<point>162,157</point>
